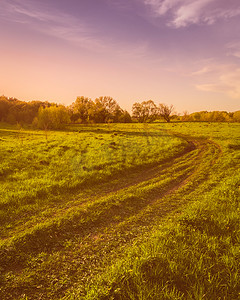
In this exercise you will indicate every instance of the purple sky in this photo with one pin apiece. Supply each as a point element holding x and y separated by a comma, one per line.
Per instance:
<point>180,52</point>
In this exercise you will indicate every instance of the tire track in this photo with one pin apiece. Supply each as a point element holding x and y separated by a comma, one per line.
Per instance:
<point>142,223</point>
<point>105,239</point>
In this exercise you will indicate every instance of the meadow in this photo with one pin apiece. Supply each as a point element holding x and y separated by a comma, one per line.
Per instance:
<point>120,211</point>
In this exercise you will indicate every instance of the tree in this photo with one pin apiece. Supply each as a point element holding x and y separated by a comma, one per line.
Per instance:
<point>236,116</point>
<point>105,109</point>
<point>81,109</point>
<point>145,111</point>
<point>4,107</point>
<point>53,117</point>
<point>125,117</point>
<point>116,114</point>
<point>137,112</point>
<point>217,116</point>
<point>15,111</point>
<point>165,111</point>
<point>185,116</point>
<point>149,110</point>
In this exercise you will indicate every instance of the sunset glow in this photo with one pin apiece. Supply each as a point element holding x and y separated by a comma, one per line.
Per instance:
<point>180,52</point>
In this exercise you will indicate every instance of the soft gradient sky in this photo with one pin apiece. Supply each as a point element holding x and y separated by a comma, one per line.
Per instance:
<point>180,52</point>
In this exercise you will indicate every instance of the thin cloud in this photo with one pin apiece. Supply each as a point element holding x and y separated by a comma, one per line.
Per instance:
<point>204,70</point>
<point>135,52</point>
<point>162,7</point>
<point>190,13</point>
<point>69,28</point>
<point>226,82</point>
<point>182,13</point>
<point>52,23</point>
<point>234,49</point>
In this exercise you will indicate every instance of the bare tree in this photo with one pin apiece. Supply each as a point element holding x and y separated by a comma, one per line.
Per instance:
<point>165,111</point>
<point>145,111</point>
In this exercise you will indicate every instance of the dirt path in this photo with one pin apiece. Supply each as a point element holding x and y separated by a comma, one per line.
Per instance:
<point>117,234</point>
<point>83,254</point>
<point>125,179</point>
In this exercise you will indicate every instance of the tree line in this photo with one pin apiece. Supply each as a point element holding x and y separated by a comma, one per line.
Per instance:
<point>148,111</point>
<point>46,115</point>
<point>213,116</point>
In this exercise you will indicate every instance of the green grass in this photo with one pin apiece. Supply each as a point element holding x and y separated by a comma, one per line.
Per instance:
<point>118,211</point>
<point>38,168</point>
<point>197,255</point>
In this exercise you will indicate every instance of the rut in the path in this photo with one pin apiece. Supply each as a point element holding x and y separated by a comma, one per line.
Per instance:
<point>109,241</point>
<point>99,242</point>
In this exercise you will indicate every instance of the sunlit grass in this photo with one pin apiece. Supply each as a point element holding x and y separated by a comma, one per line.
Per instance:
<point>197,255</point>
<point>120,212</point>
<point>39,166</point>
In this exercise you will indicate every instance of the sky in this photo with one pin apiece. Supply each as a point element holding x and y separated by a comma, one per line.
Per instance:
<point>180,52</point>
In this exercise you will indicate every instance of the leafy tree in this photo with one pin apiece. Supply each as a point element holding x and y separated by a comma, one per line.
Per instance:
<point>236,116</point>
<point>4,107</point>
<point>99,112</point>
<point>81,109</point>
<point>125,117</point>
<point>106,109</point>
<point>44,120</point>
<point>13,110</point>
<point>217,116</point>
<point>31,110</point>
<point>213,116</point>
<point>53,117</point>
<point>137,112</point>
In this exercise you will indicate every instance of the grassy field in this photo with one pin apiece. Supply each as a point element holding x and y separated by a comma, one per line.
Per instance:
<point>120,211</point>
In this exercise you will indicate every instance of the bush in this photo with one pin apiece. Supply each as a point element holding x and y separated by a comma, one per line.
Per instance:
<point>53,117</point>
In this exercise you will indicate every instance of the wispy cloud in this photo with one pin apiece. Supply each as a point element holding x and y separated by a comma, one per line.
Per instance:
<point>190,13</point>
<point>222,79</point>
<point>67,27</point>
<point>51,22</point>
<point>234,49</point>
<point>181,13</point>
<point>202,71</point>
<point>161,7</point>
